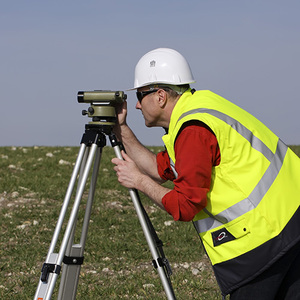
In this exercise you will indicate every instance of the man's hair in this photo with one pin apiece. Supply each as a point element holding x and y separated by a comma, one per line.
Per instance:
<point>173,90</point>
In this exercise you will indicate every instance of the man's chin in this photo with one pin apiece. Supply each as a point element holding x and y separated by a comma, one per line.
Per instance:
<point>150,125</point>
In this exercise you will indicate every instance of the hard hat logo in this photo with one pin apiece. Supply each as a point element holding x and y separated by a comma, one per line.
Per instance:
<point>152,63</point>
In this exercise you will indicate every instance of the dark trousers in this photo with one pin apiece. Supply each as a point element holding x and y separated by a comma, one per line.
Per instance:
<point>280,282</point>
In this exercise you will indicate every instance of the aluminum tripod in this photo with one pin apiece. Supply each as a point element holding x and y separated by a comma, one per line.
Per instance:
<point>71,255</point>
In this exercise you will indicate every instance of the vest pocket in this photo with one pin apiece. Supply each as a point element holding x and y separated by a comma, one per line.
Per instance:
<point>230,232</point>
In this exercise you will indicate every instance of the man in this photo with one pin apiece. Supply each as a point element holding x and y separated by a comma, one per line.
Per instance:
<point>234,178</point>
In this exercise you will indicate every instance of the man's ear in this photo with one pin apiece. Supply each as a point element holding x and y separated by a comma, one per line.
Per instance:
<point>162,97</point>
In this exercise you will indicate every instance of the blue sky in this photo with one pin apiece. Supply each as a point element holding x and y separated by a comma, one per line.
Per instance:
<point>246,51</point>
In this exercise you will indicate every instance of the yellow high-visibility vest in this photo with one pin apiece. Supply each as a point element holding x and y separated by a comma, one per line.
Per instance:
<point>252,215</point>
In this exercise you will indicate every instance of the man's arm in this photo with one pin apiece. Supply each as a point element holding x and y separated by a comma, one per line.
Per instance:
<point>130,176</point>
<point>197,152</point>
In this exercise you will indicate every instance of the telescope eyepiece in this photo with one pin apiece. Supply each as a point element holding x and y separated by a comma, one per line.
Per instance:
<point>80,97</point>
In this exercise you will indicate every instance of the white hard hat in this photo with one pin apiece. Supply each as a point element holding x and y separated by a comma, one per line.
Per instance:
<point>162,66</point>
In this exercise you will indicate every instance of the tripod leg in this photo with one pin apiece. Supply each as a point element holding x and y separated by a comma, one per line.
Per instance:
<point>52,266</point>
<point>137,205</point>
<point>71,239</point>
<point>72,250</point>
<point>43,288</point>
<point>74,254</point>
<point>69,192</point>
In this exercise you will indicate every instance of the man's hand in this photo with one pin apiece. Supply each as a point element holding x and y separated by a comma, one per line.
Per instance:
<point>127,171</point>
<point>121,110</point>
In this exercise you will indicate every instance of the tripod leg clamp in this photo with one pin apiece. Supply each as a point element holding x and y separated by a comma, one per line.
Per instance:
<point>163,262</point>
<point>72,260</point>
<point>49,268</point>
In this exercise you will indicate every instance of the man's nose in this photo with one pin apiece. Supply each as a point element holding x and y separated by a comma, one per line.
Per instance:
<point>138,105</point>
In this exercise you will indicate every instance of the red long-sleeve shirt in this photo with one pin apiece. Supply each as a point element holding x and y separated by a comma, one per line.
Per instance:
<point>196,152</point>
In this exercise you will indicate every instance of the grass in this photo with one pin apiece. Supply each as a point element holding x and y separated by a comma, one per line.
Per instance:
<point>117,264</point>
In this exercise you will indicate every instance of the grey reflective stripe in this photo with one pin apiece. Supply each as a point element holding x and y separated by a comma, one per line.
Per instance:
<point>245,205</point>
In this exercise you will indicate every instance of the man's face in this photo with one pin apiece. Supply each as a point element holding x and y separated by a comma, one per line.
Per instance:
<point>149,106</point>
